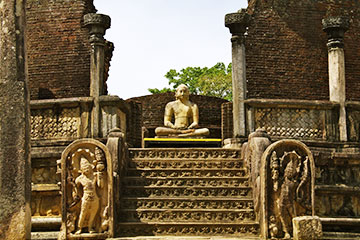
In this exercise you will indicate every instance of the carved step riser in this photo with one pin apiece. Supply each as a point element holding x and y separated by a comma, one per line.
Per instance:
<point>184,154</point>
<point>185,216</point>
<point>187,204</point>
<point>154,182</point>
<point>186,192</point>
<point>181,230</point>
<point>186,173</point>
<point>189,164</point>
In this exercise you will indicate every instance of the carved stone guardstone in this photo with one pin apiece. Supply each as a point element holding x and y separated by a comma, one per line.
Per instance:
<point>307,228</point>
<point>287,187</point>
<point>87,192</point>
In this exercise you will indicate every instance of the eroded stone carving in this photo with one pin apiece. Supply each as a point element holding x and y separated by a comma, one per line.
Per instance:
<point>287,186</point>
<point>186,116</point>
<point>291,123</point>
<point>47,123</point>
<point>86,173</point>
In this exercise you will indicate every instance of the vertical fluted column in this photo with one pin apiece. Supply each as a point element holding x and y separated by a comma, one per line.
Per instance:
<point>335,27</point>
<point>15,166</point>
<point>97,25</point>
<point>237,23</point>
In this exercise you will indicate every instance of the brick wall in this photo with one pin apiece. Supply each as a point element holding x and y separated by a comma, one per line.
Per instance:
<point>58,48</point>
<point>153,108</point>
<point>227,120</point>
<point>286,49</point>
<point>134,123</point>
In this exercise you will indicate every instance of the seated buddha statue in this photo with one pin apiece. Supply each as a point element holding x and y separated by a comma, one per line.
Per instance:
<point>186,115</point>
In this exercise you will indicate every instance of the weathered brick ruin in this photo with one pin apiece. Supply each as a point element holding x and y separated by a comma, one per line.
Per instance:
<point>58,48</point>
<point>286,51</point>
<point>290,138</point>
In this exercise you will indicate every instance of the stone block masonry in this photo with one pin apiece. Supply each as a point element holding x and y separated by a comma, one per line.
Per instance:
<point>15,179</point>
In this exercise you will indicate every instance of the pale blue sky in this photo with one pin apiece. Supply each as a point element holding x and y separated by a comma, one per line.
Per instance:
<point>154,36</point>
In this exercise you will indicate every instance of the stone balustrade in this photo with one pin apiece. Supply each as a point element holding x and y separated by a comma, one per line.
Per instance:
<point>69,118</point>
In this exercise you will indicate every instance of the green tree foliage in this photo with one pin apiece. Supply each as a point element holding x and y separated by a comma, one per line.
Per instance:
<point>215,81</point>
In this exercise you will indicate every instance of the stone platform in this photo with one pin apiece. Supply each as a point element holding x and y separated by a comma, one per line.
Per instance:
<point>182,142</point>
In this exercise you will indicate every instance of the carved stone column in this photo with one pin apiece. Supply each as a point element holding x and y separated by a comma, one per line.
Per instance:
<point>15,173</point>
<point>97,25</point>
<point>237,23</point>
<point>335,27</point>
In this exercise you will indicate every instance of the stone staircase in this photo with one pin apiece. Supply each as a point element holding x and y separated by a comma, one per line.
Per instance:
<point>186,192</point>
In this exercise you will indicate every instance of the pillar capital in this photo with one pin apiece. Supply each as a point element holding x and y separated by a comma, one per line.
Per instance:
<point>237,23</point>
<point>335,27</point>
<point>97,25</point>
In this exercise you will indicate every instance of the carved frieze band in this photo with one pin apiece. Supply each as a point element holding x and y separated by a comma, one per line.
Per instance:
<point>338,175</point>
<point>184,154</point>
<point>240,182</point>
<point>46,123</point>
<point>291,123</point>
<point>195,230</point>
<point>187,204</point>
<point>156,216</point>
<point>166,164</point>
<point>176,192</point>
<point>188,173</point>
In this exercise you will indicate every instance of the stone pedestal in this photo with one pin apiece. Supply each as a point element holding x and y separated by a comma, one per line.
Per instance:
<point>335,27</point>
<point>97,25</point>
<point>307,228</point>
<point>237,23</point>
<point>15,173</point>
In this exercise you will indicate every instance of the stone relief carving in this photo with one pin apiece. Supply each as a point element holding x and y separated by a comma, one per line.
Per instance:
<point>287,177</point>
<point>44,175</point>
<point>193,230</point>
<point>86,173</point>
<point>291,191</point>
<point>45,204</point>
<point>47,123</point>
<point>291,123</point>
<point>184,154</point>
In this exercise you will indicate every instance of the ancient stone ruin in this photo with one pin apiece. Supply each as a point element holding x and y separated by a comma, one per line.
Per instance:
<point>281,161</point>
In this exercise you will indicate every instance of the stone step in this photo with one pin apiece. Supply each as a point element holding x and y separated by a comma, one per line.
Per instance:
<point>186,181</point>
<point>185,215</point>
<point>186,238</point>
<point>180,173</point>
<point>187,203</point>
<point>184,153</point>
<point>340,235</point>
<point>145,191</point>
<point>250,228</point>
<point>188,163</point>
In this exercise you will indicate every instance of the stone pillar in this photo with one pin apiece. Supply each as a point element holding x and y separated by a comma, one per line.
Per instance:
<point>97,25</point>
<point>335,27</point>
<point>237,23</point>
<point>15,166</point>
